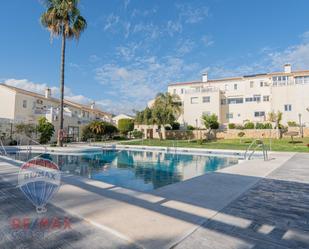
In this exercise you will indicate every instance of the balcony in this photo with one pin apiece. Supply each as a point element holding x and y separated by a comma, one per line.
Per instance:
<point>202,90</point>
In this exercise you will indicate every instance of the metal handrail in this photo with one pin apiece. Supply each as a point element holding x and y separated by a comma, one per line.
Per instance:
<point>258,145</point>
<point>2,146</point>
<point>34,141</point>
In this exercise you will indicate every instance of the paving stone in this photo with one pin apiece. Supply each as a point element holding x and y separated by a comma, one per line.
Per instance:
<point>277,206</point>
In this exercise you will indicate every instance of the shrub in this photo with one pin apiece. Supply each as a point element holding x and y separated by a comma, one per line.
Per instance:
<point>46,130</point>
<point>175,126</point>
<point>137,134</point>
<point>259,126</point>
<point>268,126</point>
<point>231,126</point>
<point>211,121</point>
<point>190,128</point>
<point>167,128</point>
<point>125,125</point>
<point>292,124</point>
<point>241,134</point>
<point>249,125</point>
<point>27,129</point>
<point>239,127</point>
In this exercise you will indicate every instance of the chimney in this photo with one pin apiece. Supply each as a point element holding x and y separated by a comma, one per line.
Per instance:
<point>287,68</point>
<point>47,93</point>
<point>92,105</point>
<point>205,77</point>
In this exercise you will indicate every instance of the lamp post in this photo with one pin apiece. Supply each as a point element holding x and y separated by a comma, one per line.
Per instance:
<point>196,128</point>
<point>300,126</point>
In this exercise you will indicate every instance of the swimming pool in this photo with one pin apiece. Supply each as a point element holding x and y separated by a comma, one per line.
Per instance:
<point>138,170</point>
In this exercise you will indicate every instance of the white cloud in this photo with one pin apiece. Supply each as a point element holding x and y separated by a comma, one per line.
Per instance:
<point>40,88</point>
<point>133,85</point>
<point>111,21</point>
<point>94,58</point>
<point>184,46</point>
<point>207,40</point>
<point>173,27</point>
<point>297,55</point>
<point>191,14</point>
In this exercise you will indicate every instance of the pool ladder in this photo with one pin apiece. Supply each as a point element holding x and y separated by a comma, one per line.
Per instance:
<point>258,143</point>
<point>3,151</point>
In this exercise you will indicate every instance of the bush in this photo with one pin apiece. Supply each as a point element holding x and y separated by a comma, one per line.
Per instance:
<point>168,128</point>
<point>268,126</point>
<point>259,126</point>
<point>97,129</point>
<point>239,127</point>
<point>125,125</point>
<point>249,125</point>
<point>211,121</point>
<point>231,126</point>
<point>241,134</point>
<point>46,130</point>
<point>292,124</point>
<point>137,134</point>
<point>175,126</point>
<point>190,128</point>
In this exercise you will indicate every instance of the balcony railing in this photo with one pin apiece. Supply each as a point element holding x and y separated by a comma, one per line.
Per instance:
<point>202,90</point>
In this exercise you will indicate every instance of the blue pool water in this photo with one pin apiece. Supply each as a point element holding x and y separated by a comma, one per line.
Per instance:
<point>138,170</point>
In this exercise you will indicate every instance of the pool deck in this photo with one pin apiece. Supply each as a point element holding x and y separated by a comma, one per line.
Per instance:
<point>253,204</point>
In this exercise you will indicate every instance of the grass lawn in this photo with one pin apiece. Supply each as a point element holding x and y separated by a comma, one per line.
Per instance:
<point>285,144</point>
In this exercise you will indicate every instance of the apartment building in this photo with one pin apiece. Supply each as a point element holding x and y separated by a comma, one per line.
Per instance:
<point>250,97</point>
<point>19,105</point>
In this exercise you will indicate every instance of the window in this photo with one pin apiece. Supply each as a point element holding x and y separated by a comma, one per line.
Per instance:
<point>250,99</point>
<point>181,90</point>
<point>206,99</point>
<point>288,108</point>
<point>302,80</point>
<point>194,100</point>
<point>259,114</point>
<point>235,100</point>
<point>257,98</point>
<point>226,87</point>
<point>24,103</point>
<point>266,98</point>
<point>235,86</point>
<point>281,80</point>
<point>229,115</point>
<point>261,84</point>
<point>251,84</point>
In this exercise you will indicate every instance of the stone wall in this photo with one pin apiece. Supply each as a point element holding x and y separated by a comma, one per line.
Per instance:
<point>152,132</point>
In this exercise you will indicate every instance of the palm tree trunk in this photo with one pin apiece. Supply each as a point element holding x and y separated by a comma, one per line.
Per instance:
<point>60,132</point>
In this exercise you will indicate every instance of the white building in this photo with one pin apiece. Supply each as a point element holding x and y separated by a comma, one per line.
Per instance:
<point>19,105</point>
<point>120,116</point>
<point>251,97</point>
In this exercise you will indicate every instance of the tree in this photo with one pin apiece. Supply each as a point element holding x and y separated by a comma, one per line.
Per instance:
<point>276,118</point>
<point>97,129</point>
<point>210,122</point>
<point>166,109</point>
<point>62,18</point>
<point>27,129</point>
<point>125,125</point>
<point>46,130</point>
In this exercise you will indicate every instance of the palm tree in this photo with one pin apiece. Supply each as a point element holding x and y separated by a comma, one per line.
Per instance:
<point>166,109</point>
<point>62,18</point>
<point>97,127</point>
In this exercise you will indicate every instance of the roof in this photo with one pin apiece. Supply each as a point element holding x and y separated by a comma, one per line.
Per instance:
<point>294,73</point>
<point>67,102</point>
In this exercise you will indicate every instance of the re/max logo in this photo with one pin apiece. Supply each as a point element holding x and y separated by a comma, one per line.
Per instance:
<point>44,223</point>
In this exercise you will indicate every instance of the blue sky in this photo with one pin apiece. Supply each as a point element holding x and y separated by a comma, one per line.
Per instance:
<point>132,49</point>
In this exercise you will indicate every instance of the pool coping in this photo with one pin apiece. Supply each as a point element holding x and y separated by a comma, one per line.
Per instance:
<point>250,169</point>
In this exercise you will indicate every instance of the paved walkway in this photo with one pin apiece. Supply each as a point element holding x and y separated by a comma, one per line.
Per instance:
<point>272,214</point>
<point>79,234</point>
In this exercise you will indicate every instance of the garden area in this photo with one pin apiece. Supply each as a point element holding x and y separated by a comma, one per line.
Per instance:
<point>284,144</point>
